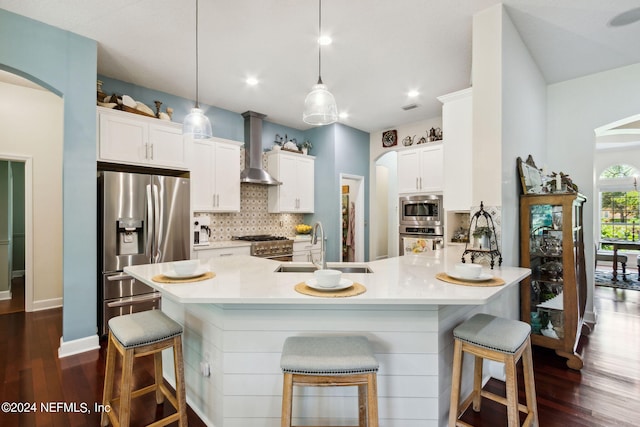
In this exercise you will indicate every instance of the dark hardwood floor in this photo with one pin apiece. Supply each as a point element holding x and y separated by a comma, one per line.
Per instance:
<point>605,393</point>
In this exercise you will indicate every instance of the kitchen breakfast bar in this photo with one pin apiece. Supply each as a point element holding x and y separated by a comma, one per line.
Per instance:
<point>236,323</point>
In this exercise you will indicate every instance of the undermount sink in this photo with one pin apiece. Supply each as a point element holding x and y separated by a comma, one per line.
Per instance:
<point>284,268</point>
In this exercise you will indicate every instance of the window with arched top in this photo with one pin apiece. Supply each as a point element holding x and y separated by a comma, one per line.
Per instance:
<point>619,204</point>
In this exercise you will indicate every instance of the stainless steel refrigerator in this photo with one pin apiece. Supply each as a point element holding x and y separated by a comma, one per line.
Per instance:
<point>142,219</point>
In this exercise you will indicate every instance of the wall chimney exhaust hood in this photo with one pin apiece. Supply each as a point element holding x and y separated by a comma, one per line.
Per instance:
<point>253,172</point>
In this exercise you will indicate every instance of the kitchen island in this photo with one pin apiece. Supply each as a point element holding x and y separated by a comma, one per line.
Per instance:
<point>236,323</point>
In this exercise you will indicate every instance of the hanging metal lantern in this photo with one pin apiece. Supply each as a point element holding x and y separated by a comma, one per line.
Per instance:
<point>483,241</point>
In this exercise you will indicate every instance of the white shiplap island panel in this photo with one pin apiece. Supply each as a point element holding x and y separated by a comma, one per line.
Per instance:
<point>237,323</point>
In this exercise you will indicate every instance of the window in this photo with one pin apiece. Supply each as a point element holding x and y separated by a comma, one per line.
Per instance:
<point>619,209</point>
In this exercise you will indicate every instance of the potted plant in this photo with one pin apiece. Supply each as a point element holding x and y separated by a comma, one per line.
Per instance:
<point>305,146</point>
<point>482,235</point>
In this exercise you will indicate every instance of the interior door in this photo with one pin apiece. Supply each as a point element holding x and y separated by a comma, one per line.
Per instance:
<point>5,229</point>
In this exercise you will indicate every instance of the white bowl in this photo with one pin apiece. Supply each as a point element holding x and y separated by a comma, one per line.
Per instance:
<point>185,268</point>
<point>468,271</point>
<point>328,278</point>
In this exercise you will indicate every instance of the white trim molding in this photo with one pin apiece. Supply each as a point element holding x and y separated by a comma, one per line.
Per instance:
<point>46,304</point>
<point>78,346</point>
<point>5,295</point>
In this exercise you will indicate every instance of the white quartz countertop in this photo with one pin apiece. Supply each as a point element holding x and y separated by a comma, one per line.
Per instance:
<point>405,280</point>
<point>222,244</point>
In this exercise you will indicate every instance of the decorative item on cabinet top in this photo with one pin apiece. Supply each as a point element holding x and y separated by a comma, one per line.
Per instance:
<point>389,138</point>
<point>534,181</point>
<point>129,105</point>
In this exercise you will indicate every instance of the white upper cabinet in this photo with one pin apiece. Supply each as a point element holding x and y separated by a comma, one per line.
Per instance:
<point>215,175</point>
<point>420,170</point>
<point>137,140</point>
<point>296,173</point>
<point>457,116</point>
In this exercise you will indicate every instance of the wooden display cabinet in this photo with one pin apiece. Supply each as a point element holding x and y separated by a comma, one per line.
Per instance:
<point>553,298</point>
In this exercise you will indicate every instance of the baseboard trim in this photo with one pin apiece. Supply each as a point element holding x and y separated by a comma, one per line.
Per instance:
<point>46,304</point>
<point>78,346</point>
<point>5,295</point>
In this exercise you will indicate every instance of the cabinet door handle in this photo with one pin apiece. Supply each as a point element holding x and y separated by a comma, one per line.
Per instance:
<point>417,185</point>
<point>151,145</point>
<point>217,200</point>
<point>421,183</point>
<point>213,201</point>
<point>146,151</point>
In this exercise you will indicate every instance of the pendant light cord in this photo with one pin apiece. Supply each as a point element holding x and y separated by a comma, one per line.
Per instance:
<point>197,66</point>
<point>319,45</point>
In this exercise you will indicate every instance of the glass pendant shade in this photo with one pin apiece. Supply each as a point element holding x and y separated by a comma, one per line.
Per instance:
<point>197,125</point>
<point>320,107</point>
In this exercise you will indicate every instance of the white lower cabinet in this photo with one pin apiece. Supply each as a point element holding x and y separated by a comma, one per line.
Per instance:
<point>296,173</point>
<point>420,170</point>
<point>132,139</point>
<point>215,175</point>
<point>303,251</point>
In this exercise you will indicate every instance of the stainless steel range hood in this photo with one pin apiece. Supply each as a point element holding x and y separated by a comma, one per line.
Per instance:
<point>253,172</point>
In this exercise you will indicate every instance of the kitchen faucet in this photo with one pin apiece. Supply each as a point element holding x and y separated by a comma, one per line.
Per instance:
<point>322,265</point>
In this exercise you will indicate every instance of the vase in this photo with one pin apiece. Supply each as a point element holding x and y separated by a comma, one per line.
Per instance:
<point>305,150</point>
<point>482,242</point>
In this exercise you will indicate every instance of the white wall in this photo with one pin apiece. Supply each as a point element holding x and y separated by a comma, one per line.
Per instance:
<point>575,108</point>
<point>509,118</point>
<point>32,125</point>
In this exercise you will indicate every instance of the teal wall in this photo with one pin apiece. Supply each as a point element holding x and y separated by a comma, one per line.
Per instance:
<point>65,63</point>
<point>339,149</point>
<point>225,124</point>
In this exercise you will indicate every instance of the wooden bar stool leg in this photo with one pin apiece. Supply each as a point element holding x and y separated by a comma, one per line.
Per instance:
<point>178,363</point>
<point>477,383</point>
<point>362,405</point>
<point>108,380</point>
<point>125,388</point>
<point>513,413</point>
<point>287,396</point>
<point>372,400</point>
<point>529,383</point>
<point>157,366</point>
<point>455,383</point>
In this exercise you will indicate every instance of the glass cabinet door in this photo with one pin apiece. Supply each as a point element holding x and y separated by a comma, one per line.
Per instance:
<point>545,260</point>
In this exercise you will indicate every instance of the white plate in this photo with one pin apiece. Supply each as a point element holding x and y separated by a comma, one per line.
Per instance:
<point>344,284</point>
<point>483,277</point>
<point>171,274</point>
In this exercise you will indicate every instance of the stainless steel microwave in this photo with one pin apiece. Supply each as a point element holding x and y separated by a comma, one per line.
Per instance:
<point>421,210</point>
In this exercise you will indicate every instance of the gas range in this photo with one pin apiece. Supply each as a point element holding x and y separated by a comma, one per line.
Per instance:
<point>267,246</point>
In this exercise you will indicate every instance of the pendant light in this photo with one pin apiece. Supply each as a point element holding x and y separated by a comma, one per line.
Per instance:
<point>320,106</point>
<point>196,123</point>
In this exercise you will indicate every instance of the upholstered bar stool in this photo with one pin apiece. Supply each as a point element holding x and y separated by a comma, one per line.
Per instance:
<point>135,335</point>
<point>502,340</point>
<point>331,361</point>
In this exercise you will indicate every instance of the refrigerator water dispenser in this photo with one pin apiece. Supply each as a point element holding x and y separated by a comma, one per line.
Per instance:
<point>130,236</point>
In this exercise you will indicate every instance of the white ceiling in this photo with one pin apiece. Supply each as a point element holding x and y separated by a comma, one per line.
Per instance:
<point>382,49</point>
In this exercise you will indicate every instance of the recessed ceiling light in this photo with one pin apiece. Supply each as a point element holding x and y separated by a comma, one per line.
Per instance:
<point>343,115</point>
<point>325,40</point>
<point>413,93</point>
<point>252,81</point>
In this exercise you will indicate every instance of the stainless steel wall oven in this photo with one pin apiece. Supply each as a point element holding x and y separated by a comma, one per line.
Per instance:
<point>421,218</point>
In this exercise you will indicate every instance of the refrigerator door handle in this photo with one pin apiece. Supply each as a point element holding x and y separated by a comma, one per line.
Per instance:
<point>158,221</point>
<point>149,246</point>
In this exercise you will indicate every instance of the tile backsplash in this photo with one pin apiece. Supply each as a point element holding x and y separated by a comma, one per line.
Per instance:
<point>253,217</point>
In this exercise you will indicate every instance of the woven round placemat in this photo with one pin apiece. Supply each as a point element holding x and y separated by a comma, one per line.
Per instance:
<point>351,291</point>
<point>496,281</point>
<point>161,278</point>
